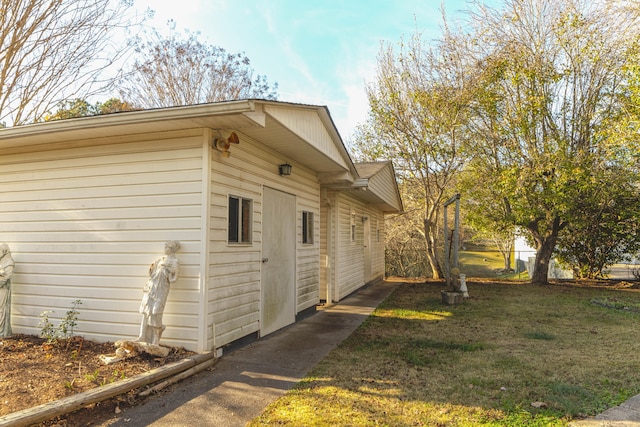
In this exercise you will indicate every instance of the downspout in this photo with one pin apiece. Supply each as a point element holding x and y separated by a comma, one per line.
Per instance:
<point>330,250</point>
<point>204,329</point>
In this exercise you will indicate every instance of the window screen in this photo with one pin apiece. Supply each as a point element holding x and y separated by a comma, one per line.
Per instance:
<point>239,220</point>
<point>307,227</point>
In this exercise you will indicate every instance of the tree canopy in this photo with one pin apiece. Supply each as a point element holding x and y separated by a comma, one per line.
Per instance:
<point>525,99</point>
<point>604,226</point>
<point>554,73</point>
<point>416,117</point>
<point>172,71</point>
<point>82,108</point>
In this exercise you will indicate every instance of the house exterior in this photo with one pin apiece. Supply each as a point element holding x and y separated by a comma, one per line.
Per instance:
<point>86,205</point>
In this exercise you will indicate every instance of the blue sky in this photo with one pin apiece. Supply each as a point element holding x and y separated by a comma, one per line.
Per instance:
<point>319,52</point>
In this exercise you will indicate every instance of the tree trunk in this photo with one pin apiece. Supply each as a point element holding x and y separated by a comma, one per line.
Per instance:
<point>541,265</point>
<point>436,271</point>
<point>430,237</point>
<point>506,256</point>
<point>505,247</point>
<point>545,245</point>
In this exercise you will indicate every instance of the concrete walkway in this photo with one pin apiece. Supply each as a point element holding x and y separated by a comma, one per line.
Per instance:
<point>625,415</point>
<point>244,382</point>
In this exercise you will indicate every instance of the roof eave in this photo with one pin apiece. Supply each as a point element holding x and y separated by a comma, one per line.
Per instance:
<point>123,120</point>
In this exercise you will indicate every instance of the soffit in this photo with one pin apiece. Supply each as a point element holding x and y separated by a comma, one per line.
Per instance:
<point>303,149</point>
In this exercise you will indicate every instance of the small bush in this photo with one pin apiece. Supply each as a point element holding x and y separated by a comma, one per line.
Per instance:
<point>65,329</point>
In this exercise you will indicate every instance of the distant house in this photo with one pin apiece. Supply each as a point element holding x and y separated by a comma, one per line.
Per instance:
<point>270,226</point>
<point>525,260</point>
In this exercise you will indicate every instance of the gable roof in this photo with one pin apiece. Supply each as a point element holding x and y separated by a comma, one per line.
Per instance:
<point>304,133</point>
<point>382,188</point>
<point>368,169</point>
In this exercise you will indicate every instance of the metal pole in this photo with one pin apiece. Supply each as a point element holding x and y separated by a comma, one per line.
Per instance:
<point>447,267</point>
<point>456,236</point>
<point>455,199</point>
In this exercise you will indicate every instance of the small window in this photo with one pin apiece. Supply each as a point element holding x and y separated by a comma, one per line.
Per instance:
<point>353,226</point>
<point>239,220</point>
<point>307,227</point>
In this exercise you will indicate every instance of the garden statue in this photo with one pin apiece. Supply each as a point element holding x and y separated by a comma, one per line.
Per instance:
<point>6,271</point>
<point>162,273</point>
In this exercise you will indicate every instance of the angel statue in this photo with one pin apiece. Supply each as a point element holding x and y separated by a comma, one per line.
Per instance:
<point>162,273</point>
<point>6,271</point>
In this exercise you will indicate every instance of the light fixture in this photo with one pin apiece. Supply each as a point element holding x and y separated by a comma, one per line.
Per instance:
<point>223,144</point>
<point>284,169</point>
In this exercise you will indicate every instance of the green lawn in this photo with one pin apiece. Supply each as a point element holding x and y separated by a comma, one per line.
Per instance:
<point>480,263</point>
<point>418,362</point>
<point>484,261</point>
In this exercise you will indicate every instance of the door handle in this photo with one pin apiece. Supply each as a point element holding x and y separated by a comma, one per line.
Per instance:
<point>265,260</point>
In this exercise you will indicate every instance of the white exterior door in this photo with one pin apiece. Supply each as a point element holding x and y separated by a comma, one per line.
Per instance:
<point>367,249</point>
<point>278,299</point>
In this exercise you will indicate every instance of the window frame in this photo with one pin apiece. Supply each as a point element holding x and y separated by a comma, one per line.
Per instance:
<point>352,228</point>
<point>239,220</point>
<point>307,228</point>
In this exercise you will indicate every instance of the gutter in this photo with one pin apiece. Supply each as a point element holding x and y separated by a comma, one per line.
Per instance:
<point>129,118</point>
<point>360,184</point>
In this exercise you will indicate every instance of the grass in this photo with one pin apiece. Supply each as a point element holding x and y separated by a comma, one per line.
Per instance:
<point>478,260</point>
<point>480,263</point>
<point>618,302</point>
<point>417,362</point>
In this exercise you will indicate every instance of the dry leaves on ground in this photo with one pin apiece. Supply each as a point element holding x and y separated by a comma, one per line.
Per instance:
<point>33,372</point>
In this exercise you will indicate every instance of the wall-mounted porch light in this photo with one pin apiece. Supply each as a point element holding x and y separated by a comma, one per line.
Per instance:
<point>284,169</point>
<point>222,144</point>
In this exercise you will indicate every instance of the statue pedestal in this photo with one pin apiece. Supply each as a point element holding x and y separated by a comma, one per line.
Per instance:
<point>127,348</point>
<point>451,298</point>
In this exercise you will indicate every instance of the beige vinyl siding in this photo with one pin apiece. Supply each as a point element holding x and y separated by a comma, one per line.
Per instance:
<point>86,222</point>
<point>377,246</point>
<point>304,124</point>
<point>308,257</point>
<point>235,269</point>
<point>383,185</point>
<point>349,254</point>
<point>350,258</point>
<point>86,205</point>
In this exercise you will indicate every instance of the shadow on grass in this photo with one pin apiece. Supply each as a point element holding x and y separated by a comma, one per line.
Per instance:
<point>484,362</point>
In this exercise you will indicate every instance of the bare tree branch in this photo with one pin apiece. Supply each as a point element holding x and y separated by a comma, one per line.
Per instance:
<point>51,50</point>
<point>174,71</point>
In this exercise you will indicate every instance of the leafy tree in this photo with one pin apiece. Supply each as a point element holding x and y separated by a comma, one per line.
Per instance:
<point>419,105</point>
<point>51,49</point>
<point>70,109</point>
<point>405,253</point>
<point>487,213</point>
<point>185,71</point>
<point>605,226</point>
<point>404,247</point>
<point>552,77</point>
<point>113,105</point>
<point>619,132</point>
<point>81,108</point>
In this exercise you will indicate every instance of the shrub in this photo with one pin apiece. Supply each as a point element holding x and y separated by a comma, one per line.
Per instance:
<point>65,329</point>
